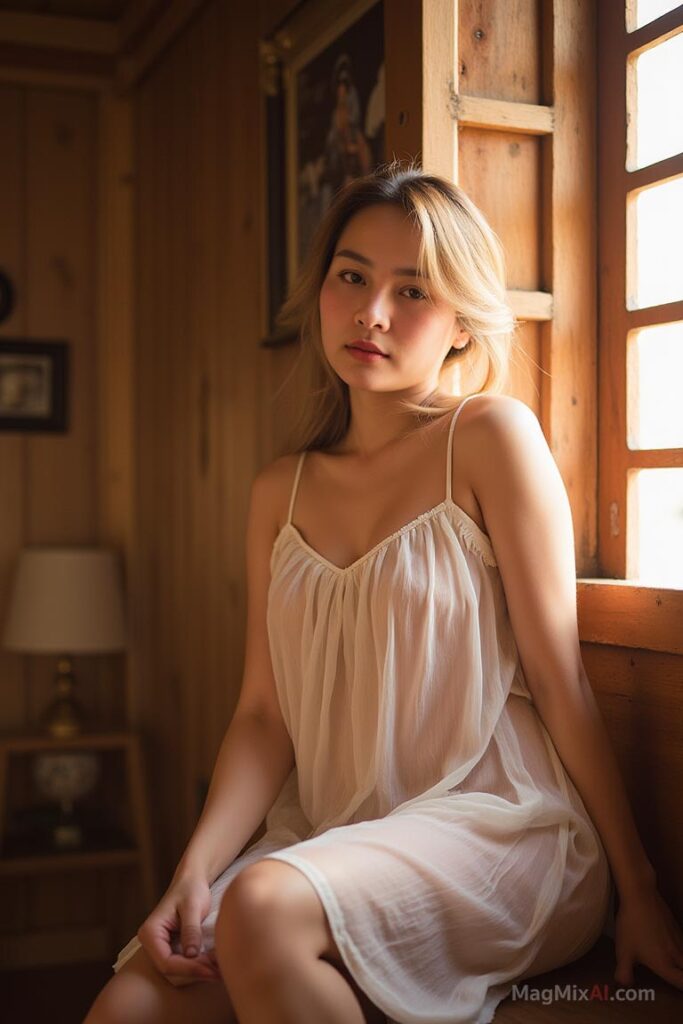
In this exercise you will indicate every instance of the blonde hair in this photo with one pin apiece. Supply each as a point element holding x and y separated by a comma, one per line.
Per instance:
<point>459,253</point>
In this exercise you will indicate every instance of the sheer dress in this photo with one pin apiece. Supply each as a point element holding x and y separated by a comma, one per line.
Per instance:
<point>428,806</point>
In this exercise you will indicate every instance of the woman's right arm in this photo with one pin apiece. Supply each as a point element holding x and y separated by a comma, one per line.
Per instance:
<point>253,762</point>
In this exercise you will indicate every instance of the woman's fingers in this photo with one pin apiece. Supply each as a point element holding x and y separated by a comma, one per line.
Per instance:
<point>155,936</point>
<point>195,968</point>
<point>191,915</point>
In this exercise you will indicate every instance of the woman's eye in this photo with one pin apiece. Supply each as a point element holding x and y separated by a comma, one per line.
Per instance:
<point>353,274</point>
<point>417,294</point>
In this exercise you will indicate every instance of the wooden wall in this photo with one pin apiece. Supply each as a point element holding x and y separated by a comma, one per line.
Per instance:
<point>200,386</point>
<point>48,482</point>
<point>49,485</point>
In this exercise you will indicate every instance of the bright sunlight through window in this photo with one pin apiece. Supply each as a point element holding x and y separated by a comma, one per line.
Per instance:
<point>656,233</point>
<point>655,276</point>
<point>659,103</point>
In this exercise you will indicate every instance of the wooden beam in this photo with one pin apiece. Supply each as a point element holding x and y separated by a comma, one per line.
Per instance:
<point>439,41</point>
<point>135,20</point>
<point>627,614</point>
<point>170,23</point>
<point>654,32</point>
<point>403,44</point>
<point>666,313</point>
<point>531,305</point>
<point>46,78</point>
<point>653,458</point>
<point>663,170</point>
<point>568,353</point>
<point>502,115</point>
<point>44,30</point>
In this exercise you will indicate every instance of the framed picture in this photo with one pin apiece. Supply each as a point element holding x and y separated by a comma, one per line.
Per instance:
<point>33,385</point>
<point>325,120</point>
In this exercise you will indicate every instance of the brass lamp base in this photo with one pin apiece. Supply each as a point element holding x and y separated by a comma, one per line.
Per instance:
<point>64,716</point>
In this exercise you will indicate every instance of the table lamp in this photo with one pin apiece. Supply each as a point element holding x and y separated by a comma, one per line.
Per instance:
<point>66,601</point>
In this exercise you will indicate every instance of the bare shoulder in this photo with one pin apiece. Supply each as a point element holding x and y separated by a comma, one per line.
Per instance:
<point>495,412</point>
<point>272,486</point>
<point>491,428</point>
<point>494,424</point>
<point>514,475</point>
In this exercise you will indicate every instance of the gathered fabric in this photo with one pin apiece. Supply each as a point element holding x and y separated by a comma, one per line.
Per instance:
<point>428,806</point>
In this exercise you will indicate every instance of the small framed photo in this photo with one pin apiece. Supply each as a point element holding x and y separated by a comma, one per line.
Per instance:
<point>325,124</point>
<point>33,385</point>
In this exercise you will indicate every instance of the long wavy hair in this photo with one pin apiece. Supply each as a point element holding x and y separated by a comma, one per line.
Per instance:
<point>462,257</point>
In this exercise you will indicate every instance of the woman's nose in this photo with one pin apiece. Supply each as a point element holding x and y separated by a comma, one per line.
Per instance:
<point>373,314</point>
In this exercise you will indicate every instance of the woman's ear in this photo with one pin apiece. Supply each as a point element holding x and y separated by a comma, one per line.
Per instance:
<point>461,338</point>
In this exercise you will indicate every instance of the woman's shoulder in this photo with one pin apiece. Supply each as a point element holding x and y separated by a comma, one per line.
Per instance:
<point>496,410</point>
<point>272,485</point>
<point>488,425</point>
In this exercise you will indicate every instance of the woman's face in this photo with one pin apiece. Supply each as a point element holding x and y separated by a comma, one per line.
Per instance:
<point>371,293</point>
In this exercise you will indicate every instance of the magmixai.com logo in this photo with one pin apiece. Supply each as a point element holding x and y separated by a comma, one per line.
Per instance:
<point>576,994</point>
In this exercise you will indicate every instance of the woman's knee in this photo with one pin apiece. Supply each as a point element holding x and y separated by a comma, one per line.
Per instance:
<point>271,904</point>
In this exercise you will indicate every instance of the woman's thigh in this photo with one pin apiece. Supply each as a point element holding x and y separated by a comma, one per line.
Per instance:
<point>139,994</point>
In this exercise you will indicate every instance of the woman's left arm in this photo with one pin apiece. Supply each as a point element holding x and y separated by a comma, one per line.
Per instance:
<point>528,518</point>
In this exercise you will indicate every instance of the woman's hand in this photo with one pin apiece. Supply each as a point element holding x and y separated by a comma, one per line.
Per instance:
<point>181,910</point>
<point>646,932</point>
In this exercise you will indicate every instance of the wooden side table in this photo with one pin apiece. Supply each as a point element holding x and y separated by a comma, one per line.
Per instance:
<point>127,844</point>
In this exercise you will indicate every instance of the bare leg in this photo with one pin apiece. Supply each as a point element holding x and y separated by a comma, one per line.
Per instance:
<point>278,956</point>
<point>139,994</point>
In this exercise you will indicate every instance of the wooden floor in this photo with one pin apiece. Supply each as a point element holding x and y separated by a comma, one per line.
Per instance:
<point>63,995</point>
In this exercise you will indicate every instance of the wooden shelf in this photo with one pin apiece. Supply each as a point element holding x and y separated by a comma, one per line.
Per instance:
<point>114,836</point>
<point>22,856</point>
<point>68,862</point>
<point>22,743</point>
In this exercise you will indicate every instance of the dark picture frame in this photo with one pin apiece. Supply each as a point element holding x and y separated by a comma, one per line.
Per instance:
<point>33,385</point>
<point>324,121</point>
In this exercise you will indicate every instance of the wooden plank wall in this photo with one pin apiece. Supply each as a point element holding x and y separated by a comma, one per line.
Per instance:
<point>200,385</point>
<point>48,482</point>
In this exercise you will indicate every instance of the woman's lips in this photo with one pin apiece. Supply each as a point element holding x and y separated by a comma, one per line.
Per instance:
<point>364,355</point>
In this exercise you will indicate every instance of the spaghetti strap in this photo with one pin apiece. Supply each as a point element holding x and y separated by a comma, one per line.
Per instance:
<point>449,457</point>
<point>295,485</point>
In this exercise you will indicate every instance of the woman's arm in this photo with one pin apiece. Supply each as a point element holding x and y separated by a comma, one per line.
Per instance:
<point>528,518</point>
<point>253,763</point>
<point>256,754</point>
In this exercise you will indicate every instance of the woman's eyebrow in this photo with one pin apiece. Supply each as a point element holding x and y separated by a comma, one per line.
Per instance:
<point>352,255</point>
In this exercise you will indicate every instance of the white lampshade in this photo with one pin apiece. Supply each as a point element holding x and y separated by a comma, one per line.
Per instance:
<point>66,601</point>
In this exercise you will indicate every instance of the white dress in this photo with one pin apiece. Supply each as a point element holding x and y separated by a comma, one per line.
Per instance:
<point>428,806</point>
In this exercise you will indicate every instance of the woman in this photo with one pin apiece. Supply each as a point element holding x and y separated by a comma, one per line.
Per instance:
<point>444,807</point>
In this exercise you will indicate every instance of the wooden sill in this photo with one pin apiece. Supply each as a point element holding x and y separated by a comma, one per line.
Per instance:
<point>627,614</point>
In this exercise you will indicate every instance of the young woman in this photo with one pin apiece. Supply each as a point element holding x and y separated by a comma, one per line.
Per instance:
<point>443,806</point>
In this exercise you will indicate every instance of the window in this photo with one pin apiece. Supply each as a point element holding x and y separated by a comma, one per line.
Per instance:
<point>640,213</point>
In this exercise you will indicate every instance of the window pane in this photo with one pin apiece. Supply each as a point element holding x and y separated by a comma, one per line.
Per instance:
<point>655,373</point>
<point>656,251</point>
<point>658,125</point>
<point>659,495</point>
<point>647,10</point>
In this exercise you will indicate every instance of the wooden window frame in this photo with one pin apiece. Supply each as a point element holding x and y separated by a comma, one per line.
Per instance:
<point>621,610</point>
